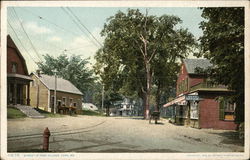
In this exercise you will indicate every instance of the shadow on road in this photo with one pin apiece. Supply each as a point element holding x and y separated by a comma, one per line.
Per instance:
<point>135,118</point>
<point>230,137</point>
<point>158,123</point>
<point>64,132</point>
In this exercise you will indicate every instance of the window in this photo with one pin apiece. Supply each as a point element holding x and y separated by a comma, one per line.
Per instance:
<point>226,109</point>
<point>74,104</point>
<point>59,103</point>
<point>14,68</point>
<point>64,101</point>
<point>183,86</point>
<point>70,101</point>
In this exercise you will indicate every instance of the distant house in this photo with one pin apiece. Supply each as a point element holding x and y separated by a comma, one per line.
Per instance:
<point>124,108</point>
<point>42,93</point>
<point>18,79</point>
<point>89,106</point>
<point>198,102</point>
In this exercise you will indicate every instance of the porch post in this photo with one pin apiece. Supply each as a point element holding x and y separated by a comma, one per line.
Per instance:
<point>28,94</point>
<point>15,94</point>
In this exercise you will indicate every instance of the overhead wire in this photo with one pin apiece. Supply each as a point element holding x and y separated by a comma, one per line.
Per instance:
<point>34,48</point>
<point>84,26</point>
<point>48,21</point>
<point>79,26</point>
<point>21,42</point>
<point>58,26</point>
<point>60,49</point>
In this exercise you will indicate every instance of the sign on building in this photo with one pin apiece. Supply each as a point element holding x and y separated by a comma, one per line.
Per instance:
<point>192,98</point>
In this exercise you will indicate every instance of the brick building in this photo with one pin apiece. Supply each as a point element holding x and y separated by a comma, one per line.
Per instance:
<point>18,79</point>
<point>198,102</point>
<point>42,93</point>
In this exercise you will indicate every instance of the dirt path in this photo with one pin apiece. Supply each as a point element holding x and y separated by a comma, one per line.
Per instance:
<point>116,134</point>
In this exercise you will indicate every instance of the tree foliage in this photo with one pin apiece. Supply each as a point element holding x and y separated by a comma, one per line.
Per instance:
<point>141,50</point>
<point>73,69</point>
<point>223,44</point>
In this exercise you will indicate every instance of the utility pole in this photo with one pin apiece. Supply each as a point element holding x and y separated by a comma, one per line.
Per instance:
<point>55,93</point>
<point>102,96</point>
<point>38,88</point>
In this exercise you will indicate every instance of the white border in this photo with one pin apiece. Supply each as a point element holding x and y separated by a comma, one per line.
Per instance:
<point>123,156</point>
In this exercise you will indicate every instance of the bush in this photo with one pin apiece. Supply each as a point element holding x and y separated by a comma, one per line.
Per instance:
<point>91,113</point>
<point>241,130</point>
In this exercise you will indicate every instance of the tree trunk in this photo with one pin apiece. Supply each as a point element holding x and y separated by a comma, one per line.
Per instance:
<point>158,97</point>
<point>144,105</point>
<point>148,91</point>
<point>107,111</point>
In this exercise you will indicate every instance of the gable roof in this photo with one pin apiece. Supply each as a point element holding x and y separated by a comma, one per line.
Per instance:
<point>191,64</point>
<point>62,84</point>
<point>11,44</point>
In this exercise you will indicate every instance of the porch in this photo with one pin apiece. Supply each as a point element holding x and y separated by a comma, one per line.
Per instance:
<point>18,89</point>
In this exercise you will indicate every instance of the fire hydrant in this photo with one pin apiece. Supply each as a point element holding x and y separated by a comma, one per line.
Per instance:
<point>46,135</point>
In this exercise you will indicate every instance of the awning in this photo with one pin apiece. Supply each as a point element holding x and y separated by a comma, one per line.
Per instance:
<point>179,101</point>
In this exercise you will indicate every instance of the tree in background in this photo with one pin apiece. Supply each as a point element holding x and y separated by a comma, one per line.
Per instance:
<point>73,69</point>
<point>135,44</point>
<point>223,44</point>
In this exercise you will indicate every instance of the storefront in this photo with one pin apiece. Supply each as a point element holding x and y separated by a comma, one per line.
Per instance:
<point>186,110</point>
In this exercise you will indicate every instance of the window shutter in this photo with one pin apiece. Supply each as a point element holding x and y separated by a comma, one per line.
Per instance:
<point>221,109</point>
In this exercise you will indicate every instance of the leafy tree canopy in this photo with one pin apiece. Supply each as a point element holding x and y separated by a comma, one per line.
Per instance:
<point>140,50</point>
<point>72,68</point>
<point>223,44</point>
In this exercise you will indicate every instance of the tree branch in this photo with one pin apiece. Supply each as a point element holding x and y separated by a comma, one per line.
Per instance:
<point>152,56</point>
<point>140,47</point>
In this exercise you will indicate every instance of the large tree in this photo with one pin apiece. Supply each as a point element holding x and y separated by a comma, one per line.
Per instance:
<point>223,44</point>
<point>72,68</point>
<point>133,43</point>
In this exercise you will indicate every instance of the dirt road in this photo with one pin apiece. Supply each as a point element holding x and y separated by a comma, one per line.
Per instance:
<point>116,134</point>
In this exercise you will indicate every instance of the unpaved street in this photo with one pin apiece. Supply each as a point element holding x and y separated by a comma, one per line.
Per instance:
<point>116,134</point>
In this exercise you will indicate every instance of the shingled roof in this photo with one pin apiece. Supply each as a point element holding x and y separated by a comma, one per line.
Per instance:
<point>62,84</point>
<point>191,64</point>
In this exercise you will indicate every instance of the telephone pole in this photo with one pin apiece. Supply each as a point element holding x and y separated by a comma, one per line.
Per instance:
<point>102,96</point>
<point>55,93</point>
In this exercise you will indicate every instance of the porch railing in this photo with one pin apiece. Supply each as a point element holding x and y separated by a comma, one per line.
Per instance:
<point>207,85</point>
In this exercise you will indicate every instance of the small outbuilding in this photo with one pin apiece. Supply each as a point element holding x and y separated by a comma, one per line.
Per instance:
<point>42,89</point>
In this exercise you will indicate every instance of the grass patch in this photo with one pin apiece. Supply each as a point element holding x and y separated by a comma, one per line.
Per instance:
<point>13,113</point>
<point>47,114</point>
<point>91,113</point>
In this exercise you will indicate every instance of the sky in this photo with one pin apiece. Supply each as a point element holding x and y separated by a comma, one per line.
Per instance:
<point>52,31</point>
